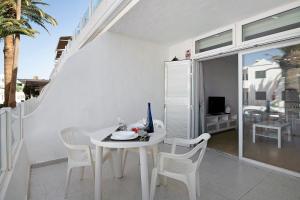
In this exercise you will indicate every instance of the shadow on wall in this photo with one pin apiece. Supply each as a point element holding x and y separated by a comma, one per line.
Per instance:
<point>113,76</point>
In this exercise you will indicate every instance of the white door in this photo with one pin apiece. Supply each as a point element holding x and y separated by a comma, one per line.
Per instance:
<point>178,99</point>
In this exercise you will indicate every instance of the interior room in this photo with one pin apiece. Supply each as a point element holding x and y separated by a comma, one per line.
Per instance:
<point>220,91</point>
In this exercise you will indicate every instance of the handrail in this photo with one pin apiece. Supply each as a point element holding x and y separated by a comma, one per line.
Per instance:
<point>93,5</point>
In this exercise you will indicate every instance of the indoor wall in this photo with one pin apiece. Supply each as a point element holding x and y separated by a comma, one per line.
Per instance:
<point>220,78</point>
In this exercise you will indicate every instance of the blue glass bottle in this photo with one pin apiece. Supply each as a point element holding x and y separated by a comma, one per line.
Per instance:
<point>149,124</point>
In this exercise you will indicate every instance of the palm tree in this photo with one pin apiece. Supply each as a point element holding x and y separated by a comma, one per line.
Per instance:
<point>27,12</point>
<point>8,27</point>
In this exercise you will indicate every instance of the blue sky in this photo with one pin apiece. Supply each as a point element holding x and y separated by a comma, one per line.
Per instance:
<point>251,58</point>
<point>37,55</point>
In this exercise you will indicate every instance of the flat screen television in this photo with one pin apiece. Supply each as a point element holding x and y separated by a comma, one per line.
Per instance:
<point>216,105</point>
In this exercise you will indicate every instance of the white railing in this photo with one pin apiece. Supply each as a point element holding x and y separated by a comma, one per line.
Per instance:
<point>11,135</point>
<point>30,105</point>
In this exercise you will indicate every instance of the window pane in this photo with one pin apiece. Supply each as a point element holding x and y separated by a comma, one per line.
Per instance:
<point>213,42</point>
<point>271,107</point>
<point>260,96</point>
<point>274,24</point>
<point>260,74</point>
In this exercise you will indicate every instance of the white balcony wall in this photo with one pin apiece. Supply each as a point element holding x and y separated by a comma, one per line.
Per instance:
<point>113,76</point>
<point>15,185</point>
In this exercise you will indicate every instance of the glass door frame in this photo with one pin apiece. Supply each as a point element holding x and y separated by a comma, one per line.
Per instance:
<point>241,53</point>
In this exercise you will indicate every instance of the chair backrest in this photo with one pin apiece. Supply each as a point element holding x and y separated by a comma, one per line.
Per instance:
<point>202,147</point>
<point>158,124</point>
<point>201,144</point>
<point>72,138</point>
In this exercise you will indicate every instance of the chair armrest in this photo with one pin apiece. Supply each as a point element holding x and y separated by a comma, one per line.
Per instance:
<point>162,156</point>
<point>180,141</point>
<point>177,141</point>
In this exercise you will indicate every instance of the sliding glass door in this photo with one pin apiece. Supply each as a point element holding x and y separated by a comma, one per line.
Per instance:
<point>271,106</point>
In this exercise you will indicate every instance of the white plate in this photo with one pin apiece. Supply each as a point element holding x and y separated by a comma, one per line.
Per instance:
<point>124,135</point>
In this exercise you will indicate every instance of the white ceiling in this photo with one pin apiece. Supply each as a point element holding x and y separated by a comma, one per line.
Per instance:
<point>171,21</point>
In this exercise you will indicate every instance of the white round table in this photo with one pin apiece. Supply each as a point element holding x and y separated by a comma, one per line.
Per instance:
<point>97,140</point>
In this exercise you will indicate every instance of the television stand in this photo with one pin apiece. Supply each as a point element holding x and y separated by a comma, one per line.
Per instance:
<point>220,122</point>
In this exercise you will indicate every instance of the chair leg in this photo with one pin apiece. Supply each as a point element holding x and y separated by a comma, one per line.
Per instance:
<point>153,183</point>
<point>198,184</point>
<point>111,163</point>
<point>191,186</point>
<point>82,173</point>
<point>165,181</point>
<point>67,181</point>
<point>124,158</point>
<point>93,169</point>
<point>154,156</point>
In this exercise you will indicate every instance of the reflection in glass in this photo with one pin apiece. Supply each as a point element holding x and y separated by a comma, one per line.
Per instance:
<point>280,22</point>
<point>271,106</point>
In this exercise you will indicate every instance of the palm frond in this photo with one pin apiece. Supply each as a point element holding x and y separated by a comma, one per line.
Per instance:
<point>32,12</point>
<point>10,26</point>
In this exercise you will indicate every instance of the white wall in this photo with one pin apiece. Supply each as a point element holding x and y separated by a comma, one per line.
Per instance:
<point>113,76</point>
<point>15,186</point>
<point>221,79</point>
<point>180,48</point>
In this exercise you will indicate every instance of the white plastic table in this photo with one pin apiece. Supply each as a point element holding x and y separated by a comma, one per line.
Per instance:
<point>97,138</point>
<point>278,126</point>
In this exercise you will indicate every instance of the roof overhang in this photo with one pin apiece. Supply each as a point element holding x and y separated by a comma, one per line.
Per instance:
<point>169,21</point>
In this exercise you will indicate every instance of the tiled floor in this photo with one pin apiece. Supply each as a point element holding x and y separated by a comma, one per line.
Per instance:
<point>222,178</point>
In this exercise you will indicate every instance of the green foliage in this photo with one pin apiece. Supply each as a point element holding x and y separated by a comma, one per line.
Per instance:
<point>31,12</point>
<point>19,87</point>
<point>9,25</point>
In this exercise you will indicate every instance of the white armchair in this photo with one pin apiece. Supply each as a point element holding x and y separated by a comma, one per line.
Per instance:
<point>181,166</point>
<point>79,155</point>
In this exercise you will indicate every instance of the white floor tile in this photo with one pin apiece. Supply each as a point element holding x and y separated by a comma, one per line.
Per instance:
<point>222,178</point>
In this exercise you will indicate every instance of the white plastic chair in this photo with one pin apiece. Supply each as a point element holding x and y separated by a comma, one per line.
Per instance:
<point>181,166</point>
<point>79,155</point>
<point>153,150</point>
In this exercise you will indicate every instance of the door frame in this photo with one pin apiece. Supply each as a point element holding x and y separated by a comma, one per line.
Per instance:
<point>240,53</point>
